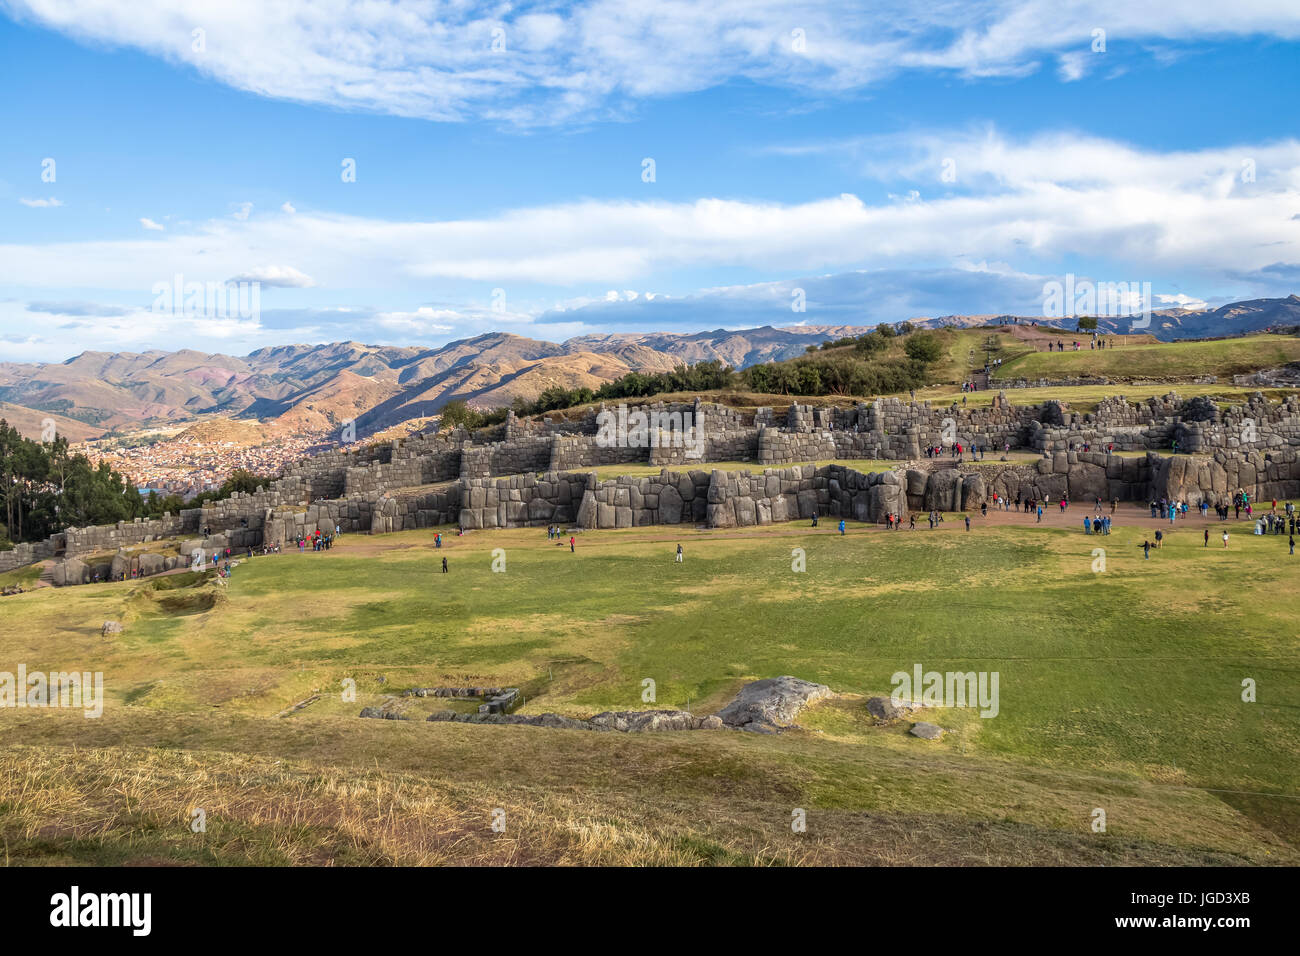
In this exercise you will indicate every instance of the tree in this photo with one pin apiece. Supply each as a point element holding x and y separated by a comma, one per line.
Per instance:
<point>458,414</point>
<point>873,342</point>
<point>1087,323</point>
<point>923,347</point>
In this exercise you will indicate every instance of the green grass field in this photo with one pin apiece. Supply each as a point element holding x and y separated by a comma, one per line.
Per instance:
<point>1119,690</point>
<point>1221,357</point>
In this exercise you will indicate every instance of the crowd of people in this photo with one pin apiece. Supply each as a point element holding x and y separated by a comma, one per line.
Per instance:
<point>959,451</point>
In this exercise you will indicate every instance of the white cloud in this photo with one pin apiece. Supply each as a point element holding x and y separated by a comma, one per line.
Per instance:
<point>41,203</point>
<point>242,210</point>
<point>1181,301</point>
<point>288,207</point>
<point>1018,202</point>
<point>150,224</point>
<point>66,333</point>
<point>1071,66</point>
<point>434,59</point>
<point>422,322</point>
<point>283,277</point>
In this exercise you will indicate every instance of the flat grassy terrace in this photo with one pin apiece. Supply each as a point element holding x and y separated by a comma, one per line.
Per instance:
<point>1119,689</point>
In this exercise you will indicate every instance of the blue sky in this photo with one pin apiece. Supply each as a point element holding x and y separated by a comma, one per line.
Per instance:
<point>889,161</point>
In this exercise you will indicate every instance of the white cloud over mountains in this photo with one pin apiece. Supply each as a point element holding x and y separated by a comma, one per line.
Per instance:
<point>1024,203</point>
<point>1016,212</point>
<point>547,63</point>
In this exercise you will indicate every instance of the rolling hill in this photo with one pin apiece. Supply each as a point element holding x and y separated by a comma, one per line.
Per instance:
<point>315,388</point>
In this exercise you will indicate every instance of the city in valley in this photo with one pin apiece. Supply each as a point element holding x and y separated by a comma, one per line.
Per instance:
<point>184,464</point>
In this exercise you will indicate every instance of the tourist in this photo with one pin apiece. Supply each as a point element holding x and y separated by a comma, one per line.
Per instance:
<point>679,554</point>
<point>1225,537</point>
<point>841,527</point>
<point>572,542</point>
<point>1160,538</point>
<point>444,565</point>
<point>1292,540</point>
<point>1146,550</point>
<point>1087,525</point>
<point>1207,538</point>
<point>967,522</point>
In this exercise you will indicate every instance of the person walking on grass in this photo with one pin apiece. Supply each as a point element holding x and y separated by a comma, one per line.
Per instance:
<point>679,554</point>
<point>1225,538</point>
<point>444,565</point>
<point>572,542</point>
<point>968,522</point>
<point>1146,550</point>
<point>841,527</point>
<point>1160,538</point>
<point>1207,538</point>
<point>1292,540</point>
<point>1040,515</point>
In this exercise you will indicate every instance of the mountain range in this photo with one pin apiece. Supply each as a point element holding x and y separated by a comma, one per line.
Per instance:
<point>314,388</point>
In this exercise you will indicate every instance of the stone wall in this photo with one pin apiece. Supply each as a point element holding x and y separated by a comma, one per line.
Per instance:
<point>376,477</point>
<point>715,498</point>
<point>670,497</point>
<point>424,508</point>
<point>740,499</point>
<point>521,500</point>
<point>397,485</point>
<point>1085,476</point>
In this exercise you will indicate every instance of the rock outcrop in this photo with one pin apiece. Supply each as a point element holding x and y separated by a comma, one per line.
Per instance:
<point>770,706</point>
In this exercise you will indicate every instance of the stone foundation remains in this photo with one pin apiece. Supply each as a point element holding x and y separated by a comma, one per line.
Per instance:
<point>540,473</point>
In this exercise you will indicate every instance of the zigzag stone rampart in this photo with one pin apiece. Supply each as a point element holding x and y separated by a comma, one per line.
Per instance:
<point>541,472</point>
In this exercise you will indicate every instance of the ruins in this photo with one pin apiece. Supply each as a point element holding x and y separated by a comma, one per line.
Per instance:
<point>540,472</point>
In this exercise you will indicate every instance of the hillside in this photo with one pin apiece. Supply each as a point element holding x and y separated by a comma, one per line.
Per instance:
<point>30,423</point>
<point>1222,358</point>
<point>317,387</point>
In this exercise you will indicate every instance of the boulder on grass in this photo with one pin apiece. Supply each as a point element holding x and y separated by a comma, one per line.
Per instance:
<point>770,706</point>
